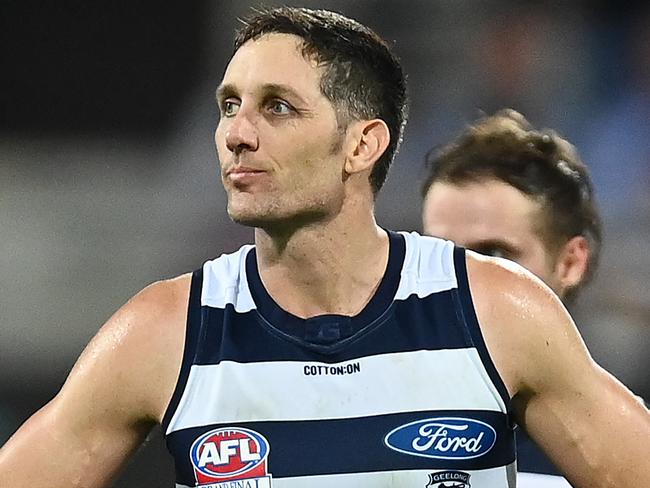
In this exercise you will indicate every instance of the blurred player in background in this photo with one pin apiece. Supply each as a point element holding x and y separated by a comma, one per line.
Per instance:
<point>505,189</point>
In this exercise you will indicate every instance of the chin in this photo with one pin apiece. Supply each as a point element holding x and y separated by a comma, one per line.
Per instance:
<point>247,218</point>
<point>275,221</point>
<point>250,215</point>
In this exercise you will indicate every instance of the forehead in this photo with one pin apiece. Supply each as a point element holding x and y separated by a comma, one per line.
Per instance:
<point>481,211</point>
<point>273,59</point>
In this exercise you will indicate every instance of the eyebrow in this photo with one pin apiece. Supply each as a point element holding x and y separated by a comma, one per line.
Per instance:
<point>268,90</point>
<point>225,91</point>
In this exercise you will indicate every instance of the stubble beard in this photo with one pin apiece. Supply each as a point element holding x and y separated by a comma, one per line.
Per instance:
<point>281,215</point>
<point>276,218</point>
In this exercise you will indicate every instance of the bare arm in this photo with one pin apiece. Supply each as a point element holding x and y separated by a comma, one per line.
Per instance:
<point>594,429</point>
<point>116,392</point>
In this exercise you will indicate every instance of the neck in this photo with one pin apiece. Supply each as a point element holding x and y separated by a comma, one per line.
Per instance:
<point>325,268</point>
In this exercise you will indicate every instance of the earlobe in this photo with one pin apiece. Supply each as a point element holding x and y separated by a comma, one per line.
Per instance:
<point>369,140</point>
<point>572,262</point>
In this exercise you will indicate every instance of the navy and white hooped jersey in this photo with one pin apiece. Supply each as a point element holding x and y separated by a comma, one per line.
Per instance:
<point>404,394</point>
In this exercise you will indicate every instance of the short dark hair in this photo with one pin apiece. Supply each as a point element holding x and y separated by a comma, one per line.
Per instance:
<point>362,77</point>
<point>539,163</point>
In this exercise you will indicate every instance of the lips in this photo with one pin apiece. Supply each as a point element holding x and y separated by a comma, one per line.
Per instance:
<point>244,174</point>
<point>236,170</point>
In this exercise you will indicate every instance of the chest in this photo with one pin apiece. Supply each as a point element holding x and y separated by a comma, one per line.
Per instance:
<point>394,403</point>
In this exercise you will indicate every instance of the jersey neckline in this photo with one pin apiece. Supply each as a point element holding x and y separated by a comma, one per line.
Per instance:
<point>329,329</point>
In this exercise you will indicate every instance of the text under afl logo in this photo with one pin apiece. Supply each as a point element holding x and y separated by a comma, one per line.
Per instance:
<point>443,438</point>
<point>231,452</point>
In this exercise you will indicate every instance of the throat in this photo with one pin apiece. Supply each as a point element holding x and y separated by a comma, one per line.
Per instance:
<point>308,296</point>
<point>325,314</point>
<point>328,283</point>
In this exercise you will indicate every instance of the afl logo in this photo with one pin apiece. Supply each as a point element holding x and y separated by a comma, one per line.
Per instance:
<point>229,453</point>
<point>443,438</point>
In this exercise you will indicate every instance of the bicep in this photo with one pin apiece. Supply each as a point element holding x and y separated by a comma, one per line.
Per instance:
<point>115,393</point>
<point>83,436</point>
<point>593,428</point>
<point>65,445</point>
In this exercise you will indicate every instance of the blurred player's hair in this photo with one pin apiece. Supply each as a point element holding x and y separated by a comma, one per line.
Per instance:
<point>539,163</point>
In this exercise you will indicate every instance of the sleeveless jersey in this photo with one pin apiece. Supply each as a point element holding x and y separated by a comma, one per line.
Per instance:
<point>404,394</point>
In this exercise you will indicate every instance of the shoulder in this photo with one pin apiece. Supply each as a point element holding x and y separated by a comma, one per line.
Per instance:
<point>526,327</point>
<point>228,266</point>
<point>133,361</point>
<point>506,279</point>
<point>430,257</point>
<point>157,300</point>
<point>150,317</point>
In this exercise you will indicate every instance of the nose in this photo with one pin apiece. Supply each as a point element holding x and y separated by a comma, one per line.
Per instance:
<point>241,133</point>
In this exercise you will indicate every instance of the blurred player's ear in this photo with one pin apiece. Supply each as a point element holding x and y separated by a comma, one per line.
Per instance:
<point>571,264</point>
<point>366,141</point>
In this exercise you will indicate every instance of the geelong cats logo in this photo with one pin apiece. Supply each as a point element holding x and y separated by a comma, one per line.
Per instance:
<point>443,438</point>
<point>449,479</point>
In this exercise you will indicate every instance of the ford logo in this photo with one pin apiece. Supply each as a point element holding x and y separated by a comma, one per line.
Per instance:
<point>443,438</point>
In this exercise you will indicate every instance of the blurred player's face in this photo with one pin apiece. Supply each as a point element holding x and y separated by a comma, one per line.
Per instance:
<point>493,218</point>
<point>277,140</point>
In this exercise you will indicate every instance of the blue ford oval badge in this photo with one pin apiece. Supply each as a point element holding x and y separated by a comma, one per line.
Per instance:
<point>443,438</point>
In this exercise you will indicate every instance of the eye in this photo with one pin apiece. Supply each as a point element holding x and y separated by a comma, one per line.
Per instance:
<point>229,108</point>
<point>497,253</point>
<point>494,251</point>
<point>278,107</point>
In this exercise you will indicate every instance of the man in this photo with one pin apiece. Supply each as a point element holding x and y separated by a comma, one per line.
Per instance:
<point>333,352</point>
<point>504,189</point>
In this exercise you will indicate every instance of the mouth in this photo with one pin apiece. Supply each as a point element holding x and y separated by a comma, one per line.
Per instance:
<point>244,174</point>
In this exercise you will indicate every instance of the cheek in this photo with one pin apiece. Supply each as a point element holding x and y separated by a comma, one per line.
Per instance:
<point>218,134</point>
<point>220,142</point>
<point>538,263</point>
<point>440,225</point>
<point>218,130</point>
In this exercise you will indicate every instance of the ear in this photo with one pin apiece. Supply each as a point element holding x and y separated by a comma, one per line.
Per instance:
<point>572,261</point>
<point>367,141</point>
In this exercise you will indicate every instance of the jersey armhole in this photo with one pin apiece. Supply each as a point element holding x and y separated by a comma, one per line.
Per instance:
<point>470,320</point>
<point>192,328</point>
